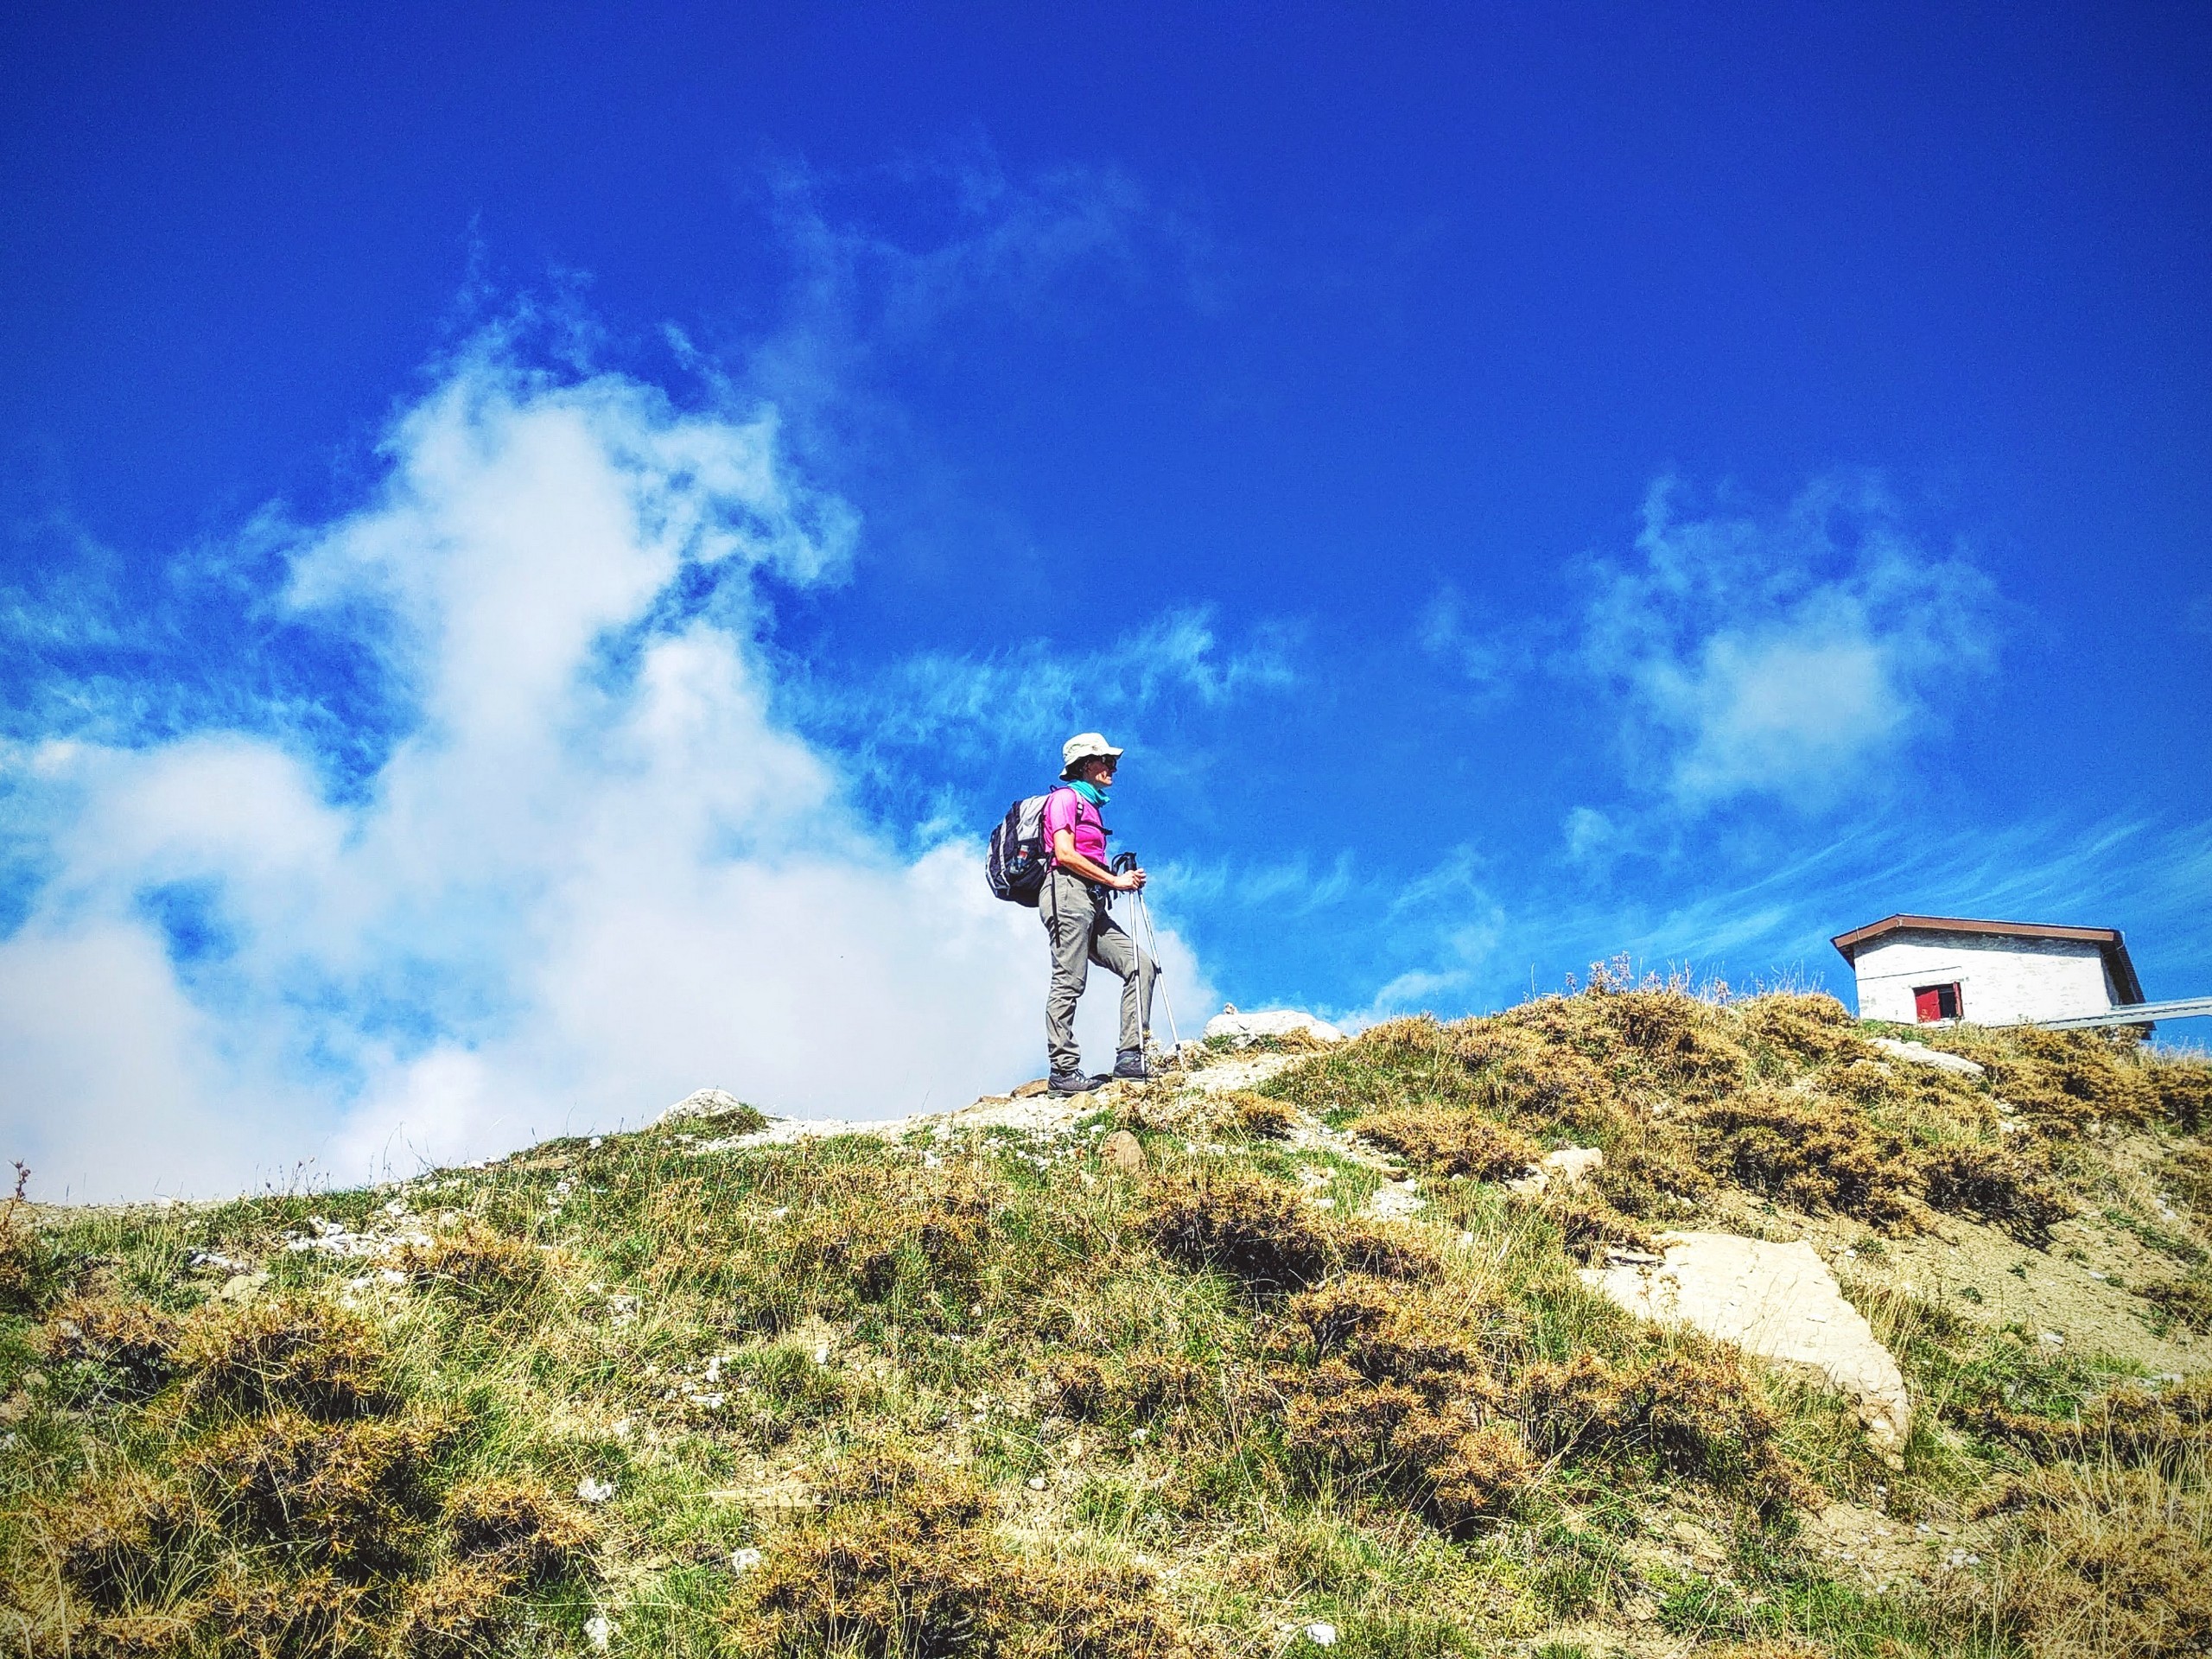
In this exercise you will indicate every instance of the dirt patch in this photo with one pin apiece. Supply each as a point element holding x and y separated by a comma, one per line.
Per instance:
<point>1984,1275</point>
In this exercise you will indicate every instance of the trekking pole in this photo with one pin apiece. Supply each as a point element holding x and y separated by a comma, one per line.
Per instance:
<point>1123,863</point>
<point>1152,949</point>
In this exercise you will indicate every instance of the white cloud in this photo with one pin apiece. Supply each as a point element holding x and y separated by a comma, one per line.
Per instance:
<point>1593,840</point>
<point>1784,656</point>
<point>594,874</point>
<point>1487,653</point>
<point>1029,698</point>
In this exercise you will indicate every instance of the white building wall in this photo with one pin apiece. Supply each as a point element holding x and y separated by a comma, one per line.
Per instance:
<point>2002,981</point>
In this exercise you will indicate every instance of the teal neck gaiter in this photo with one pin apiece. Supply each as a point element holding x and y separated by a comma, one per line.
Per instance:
<point>1089,790</point>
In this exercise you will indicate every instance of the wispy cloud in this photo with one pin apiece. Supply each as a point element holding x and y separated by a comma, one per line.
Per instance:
<point>974,239</point>
<point>1481,648</point>
<point>1768,919</point>
<point>1782,655</point>
<point>588,871</point>
<point>1027,697</point>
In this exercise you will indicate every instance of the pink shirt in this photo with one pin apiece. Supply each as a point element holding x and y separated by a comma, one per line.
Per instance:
<point>1066,810</point>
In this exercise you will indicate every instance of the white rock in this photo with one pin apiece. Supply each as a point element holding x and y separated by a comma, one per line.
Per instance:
<point>744,1560</point>
<point>1390,1200</point>
<point>1569,1165</point>
<point>701,1103</point>
<point>594,1492</point>
<point>1243,1028</point>
<point>598,1630</point>
<point>1920,1054</point>
<point>1779,1301</point>
<point>1321,1634</point>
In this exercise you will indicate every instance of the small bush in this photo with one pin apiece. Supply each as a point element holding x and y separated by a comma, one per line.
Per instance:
<point>298,1613</point>
<point>1264,1235</point>
<point>116,1541</point>
<point>1589,1227</point>
<point>1998,1184</point>
<point>1260,1118</point>
<point>130,1347</point>
<point>1129,1388</point>
<point>2184,1091</point>
<point>2186,1301</point>
<point>1453,1142</point>
<point>1699,1414</point>
<point>306,1356</point>
<point>482,1264</point>
<point>531,1536</point>
<point>2064,1080</point>
<point>18,1248</point>
<point>1814,1029</point>
<point>2094,1563</point>
<point>351,1495</point>
<point>457,1609</point>
<point>903,1563</point>
<point>2190,1171</point>
<point>1821,1153</point>
<point>1379,1384</point>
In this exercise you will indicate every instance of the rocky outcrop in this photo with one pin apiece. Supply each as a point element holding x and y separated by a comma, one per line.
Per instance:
<point>1779,1301</point>
<point>1920,1054</point>
<point>1243,1029</point>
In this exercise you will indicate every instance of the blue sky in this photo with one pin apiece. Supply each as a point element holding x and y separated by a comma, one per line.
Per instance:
<point>534,543</point>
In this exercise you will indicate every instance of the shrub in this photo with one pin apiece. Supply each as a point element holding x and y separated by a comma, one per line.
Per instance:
<point>297,1614</point>
<point>457,1609</point>
<point>350,1494</point>
<point>1813,1029</point>
<point>902,1563</point>
<point>1263,1234</point>
<point>2094,1563</point>
<point>1379,1384</point>
<point>1997,1183</point>
<point>2064,1079</point>
<point>1452,1142</point>
<point>520,1528</point>
<point>132,1347</point>
<point>1589,1226</point>
<point>304,1355</point>
<point>1260,1118</point>
<point>2184,1091</point>
<point>484,1265</point>
<point>1129,1388</point>
<point>1699,1414</point>
<point>114,1542</point>
<point>18,1248</point>
<point>1818,1152</point>
<point>2186,1301</point>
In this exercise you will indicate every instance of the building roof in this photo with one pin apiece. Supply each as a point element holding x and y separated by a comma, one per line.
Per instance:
<point>2107,940</point>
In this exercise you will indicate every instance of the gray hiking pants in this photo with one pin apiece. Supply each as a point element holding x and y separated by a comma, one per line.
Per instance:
<point>1083,930</point>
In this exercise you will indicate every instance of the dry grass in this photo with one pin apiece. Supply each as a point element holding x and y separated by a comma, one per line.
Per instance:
<point>2096,1561</point>
<point>1453,1142</point>
<point>904,1561</point>
<point>1265,1237</point>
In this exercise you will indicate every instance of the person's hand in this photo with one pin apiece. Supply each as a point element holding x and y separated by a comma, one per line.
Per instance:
<point>1129,881</point>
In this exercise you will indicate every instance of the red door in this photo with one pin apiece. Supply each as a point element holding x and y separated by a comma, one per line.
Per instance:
<point>1928,1004</point>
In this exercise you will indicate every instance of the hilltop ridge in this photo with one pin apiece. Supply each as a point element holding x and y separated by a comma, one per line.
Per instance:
<point>1300,1348</point>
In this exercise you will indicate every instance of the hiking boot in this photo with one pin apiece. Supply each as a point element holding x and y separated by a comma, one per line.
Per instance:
<point>1129,1067</point>
<point>1071,1083</point>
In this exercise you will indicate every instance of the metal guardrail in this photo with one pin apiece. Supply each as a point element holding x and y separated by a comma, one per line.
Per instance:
<point>2134,1014</point>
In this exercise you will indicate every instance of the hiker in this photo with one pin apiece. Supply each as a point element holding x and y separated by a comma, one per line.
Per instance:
<point>1081,930</point>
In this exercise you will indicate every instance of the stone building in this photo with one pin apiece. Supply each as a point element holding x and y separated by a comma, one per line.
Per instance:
<point>1926,969</point>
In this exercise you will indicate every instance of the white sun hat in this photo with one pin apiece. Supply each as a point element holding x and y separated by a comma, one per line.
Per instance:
<point>1083,747</point>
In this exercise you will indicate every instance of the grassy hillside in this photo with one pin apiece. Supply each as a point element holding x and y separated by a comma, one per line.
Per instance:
<point>697,1390</point>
